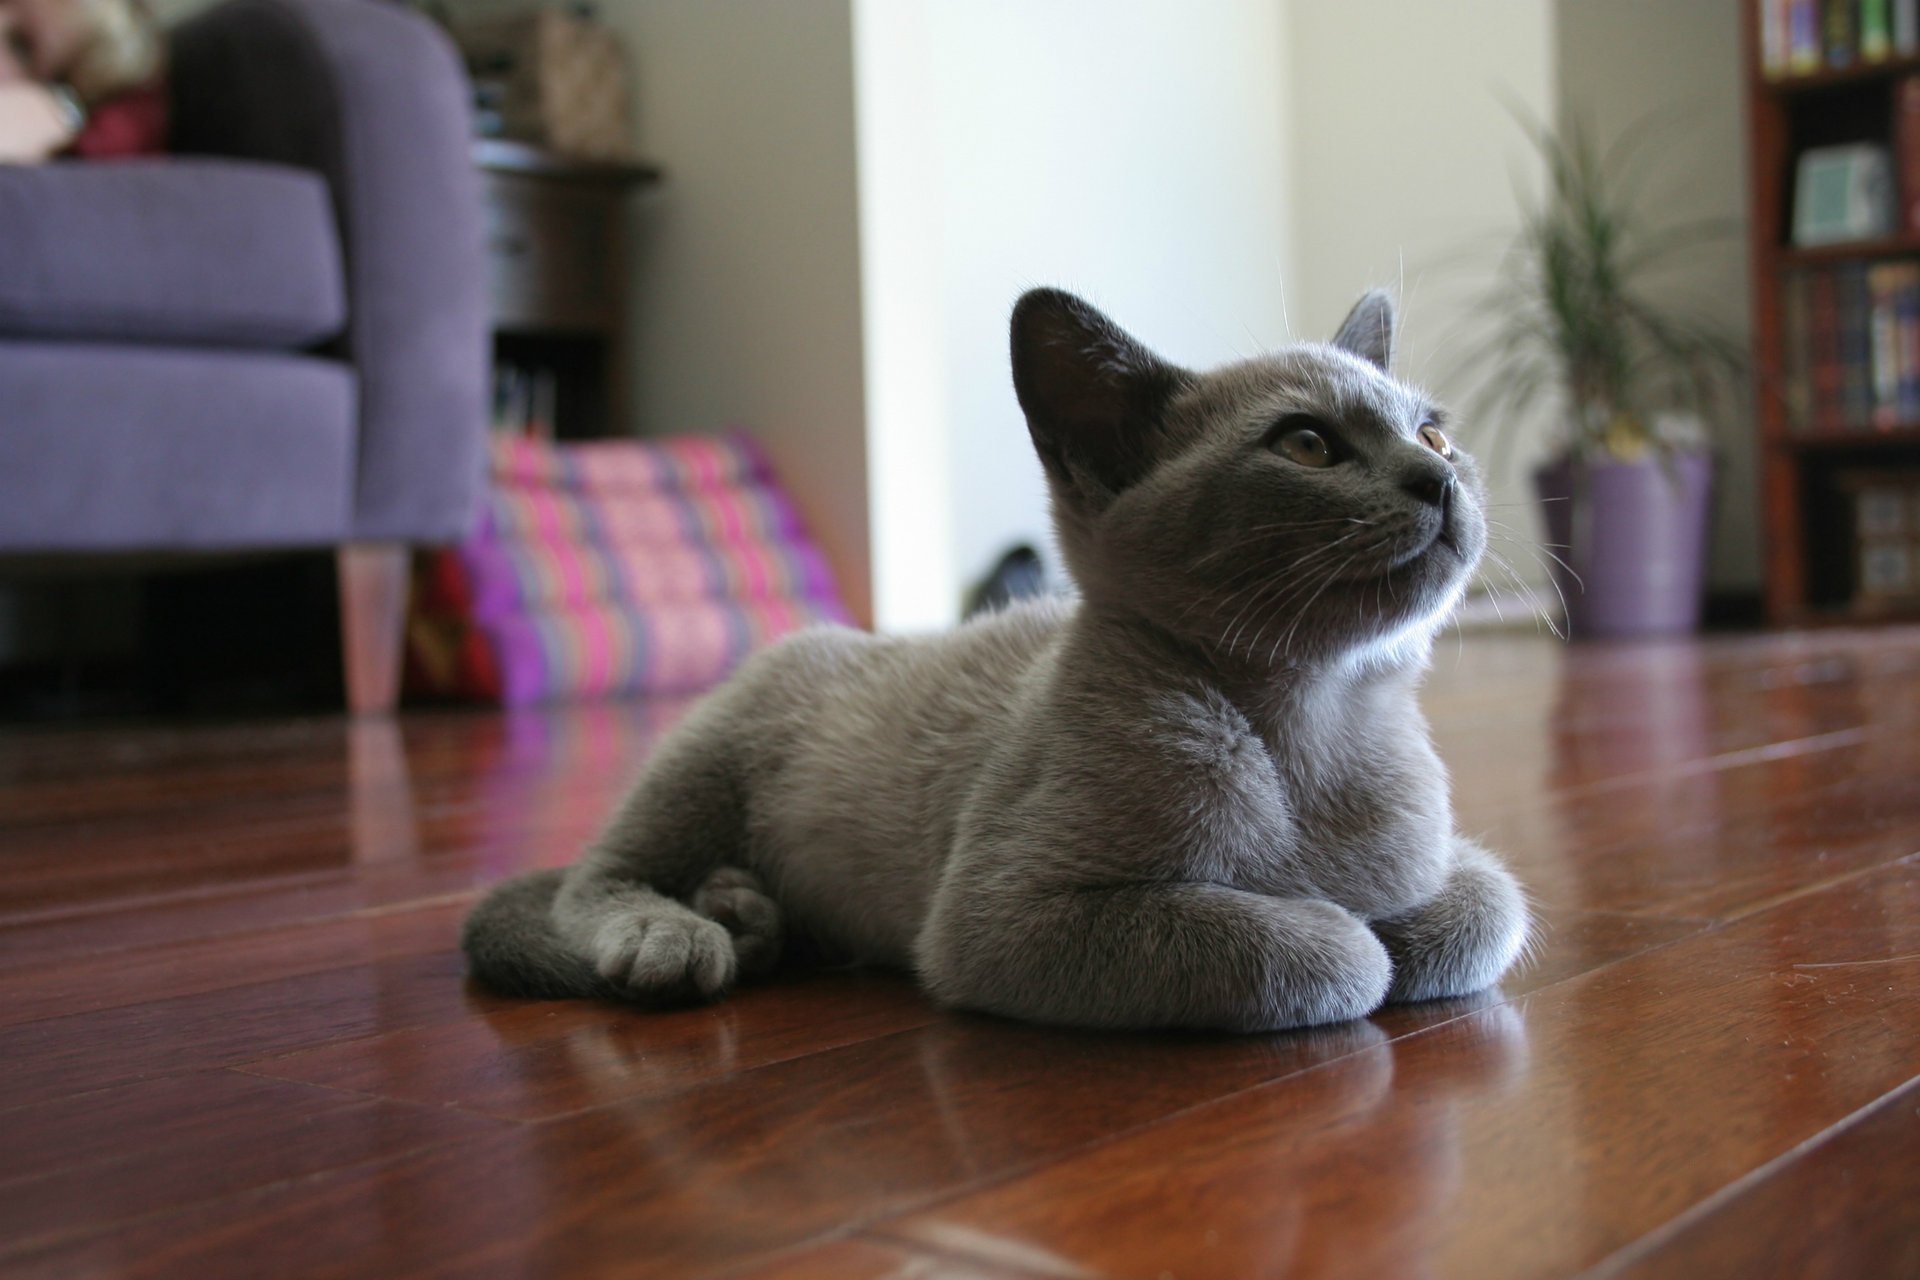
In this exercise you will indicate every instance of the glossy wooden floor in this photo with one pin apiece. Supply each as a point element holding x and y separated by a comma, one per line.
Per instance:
<point>236,1038</point>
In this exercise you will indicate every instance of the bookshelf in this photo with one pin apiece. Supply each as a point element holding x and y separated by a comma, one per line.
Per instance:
<point>1810,456</point>
<point>557,258</point>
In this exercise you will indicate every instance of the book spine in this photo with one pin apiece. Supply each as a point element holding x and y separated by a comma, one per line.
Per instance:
<point>1797,380</point>
<point>1803,49</point>
<point>1839,32</point>
<point>1856,349</point>
<point>1906,26</point>
<point>1883,344</point>
<point>1907,309</point>
<point>1825,332</point>
<point>1876,31</point>
<point>1773,36</point>
<point>1906,150</point>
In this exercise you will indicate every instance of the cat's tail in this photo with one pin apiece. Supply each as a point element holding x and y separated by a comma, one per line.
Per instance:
<point>514,949</point>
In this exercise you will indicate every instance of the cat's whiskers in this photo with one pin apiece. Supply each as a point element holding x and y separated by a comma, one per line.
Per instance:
<point>1255,534</point>
<point>1273,576</point>
<point>1252,575</point>
<point>1268,605</point>
<point>1520,587</point>
<point>1302,612</point>
<point>1536,550</point>
<point>1519,537</point>
<point>1271,603</point>
<point>1274,611</point>
<point>1280,580</point>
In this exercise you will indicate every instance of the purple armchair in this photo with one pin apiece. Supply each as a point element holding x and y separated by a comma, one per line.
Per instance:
<point>276,337</point>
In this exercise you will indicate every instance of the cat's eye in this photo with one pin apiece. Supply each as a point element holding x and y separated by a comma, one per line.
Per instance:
<point>1305,446</point>
<point>1436,439</point>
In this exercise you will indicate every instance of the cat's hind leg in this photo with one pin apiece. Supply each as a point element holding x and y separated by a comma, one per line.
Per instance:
<point>1463,938</point>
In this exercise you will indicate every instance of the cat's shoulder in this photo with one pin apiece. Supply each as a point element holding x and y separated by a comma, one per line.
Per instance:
<point>1020,625</point>
<point>808,657</point>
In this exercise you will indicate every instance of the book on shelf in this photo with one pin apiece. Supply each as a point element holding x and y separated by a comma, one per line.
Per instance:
<point>1799,37</point>
<point>1862,190</point>
<point>1875,30</point>
<point>1839,32</point>
<point>1850,337</point>
<point>1906,150</point>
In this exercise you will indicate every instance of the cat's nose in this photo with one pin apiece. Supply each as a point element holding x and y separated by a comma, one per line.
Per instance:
<point>1432,486</point>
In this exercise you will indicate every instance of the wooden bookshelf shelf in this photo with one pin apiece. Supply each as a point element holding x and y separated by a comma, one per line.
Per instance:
<point>1836,77</point>
<point>1826,317</point>
<point>1904,436</point>
<point>1899,246</point>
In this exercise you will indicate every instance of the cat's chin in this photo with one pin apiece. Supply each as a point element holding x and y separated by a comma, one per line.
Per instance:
<point>1423,588</point>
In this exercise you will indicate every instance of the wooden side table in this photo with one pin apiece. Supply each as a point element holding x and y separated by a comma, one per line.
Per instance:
<point>557,274</point>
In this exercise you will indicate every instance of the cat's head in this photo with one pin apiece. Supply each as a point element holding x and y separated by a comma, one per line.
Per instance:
<point>1299,508</point>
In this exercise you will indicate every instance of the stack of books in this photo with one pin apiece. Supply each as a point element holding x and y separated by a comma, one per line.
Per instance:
<point>1852,339</point>
<point>615,567</point>
<point>1798,37</point>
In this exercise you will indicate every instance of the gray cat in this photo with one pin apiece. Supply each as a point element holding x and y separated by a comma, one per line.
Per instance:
<point>1201,795</point>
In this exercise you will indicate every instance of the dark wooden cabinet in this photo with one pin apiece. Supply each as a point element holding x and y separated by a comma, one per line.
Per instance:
<point>557,276</point>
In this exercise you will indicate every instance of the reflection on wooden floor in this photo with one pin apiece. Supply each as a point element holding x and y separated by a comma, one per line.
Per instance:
<point>238,1041</point>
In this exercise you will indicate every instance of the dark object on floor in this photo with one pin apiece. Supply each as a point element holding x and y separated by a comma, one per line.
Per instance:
<point>1019,575</point>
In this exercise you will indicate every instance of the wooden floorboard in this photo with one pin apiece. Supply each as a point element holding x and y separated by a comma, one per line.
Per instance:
<point>1535,1137</point>
<point>147,1148</point>
<point>238,1041</point>
<point>1826,1213</point>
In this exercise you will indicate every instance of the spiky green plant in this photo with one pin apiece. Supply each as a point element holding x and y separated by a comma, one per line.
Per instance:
<point>1570,310</point>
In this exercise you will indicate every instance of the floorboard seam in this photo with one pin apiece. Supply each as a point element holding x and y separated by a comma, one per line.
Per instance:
<point>1819,886</point>
<point>925,1249</point>
<point>1652,1241</point>
<point>17,1249</point>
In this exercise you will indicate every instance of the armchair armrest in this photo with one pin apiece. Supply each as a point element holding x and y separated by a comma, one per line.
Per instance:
<point>373,98</point>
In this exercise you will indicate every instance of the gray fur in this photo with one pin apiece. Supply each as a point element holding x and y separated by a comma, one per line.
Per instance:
<point>1201,795</point>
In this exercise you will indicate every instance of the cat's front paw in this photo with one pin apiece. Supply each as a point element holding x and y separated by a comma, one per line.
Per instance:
<point>1332,970</point>
<point>1465,937</point>
<point>665,956</point>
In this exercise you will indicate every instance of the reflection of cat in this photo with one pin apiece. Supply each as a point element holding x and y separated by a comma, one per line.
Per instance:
<point>1202,795</point>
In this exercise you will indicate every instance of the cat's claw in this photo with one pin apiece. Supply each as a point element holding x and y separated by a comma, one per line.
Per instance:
<point>666,957</point>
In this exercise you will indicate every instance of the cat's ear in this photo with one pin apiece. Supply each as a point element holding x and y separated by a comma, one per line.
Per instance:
<point>1094,397</point>
<point>1368,329</point>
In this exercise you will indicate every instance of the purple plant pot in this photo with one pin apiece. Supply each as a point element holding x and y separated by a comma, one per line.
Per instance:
<point>1635,533</point>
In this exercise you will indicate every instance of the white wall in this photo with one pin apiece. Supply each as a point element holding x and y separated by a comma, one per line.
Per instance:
<point>858,189</point>
<point>1620,61</point>
<point>747,270</point>
<point>1130,150</point>
<point>1405,164</point>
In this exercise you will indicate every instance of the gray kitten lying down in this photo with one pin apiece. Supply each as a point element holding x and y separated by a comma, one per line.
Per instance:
<point>1202,795</point>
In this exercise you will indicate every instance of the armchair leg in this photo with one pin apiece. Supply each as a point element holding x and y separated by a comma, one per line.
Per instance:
<point>373,615</point>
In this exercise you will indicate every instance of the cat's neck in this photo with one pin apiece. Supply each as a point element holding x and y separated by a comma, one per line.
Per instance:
<point>1273,694</point>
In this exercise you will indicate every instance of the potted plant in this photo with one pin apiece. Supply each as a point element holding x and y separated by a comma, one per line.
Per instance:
<point>1626,494</point>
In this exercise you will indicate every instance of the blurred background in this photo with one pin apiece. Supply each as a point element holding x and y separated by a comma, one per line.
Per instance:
<point>817,213</point>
